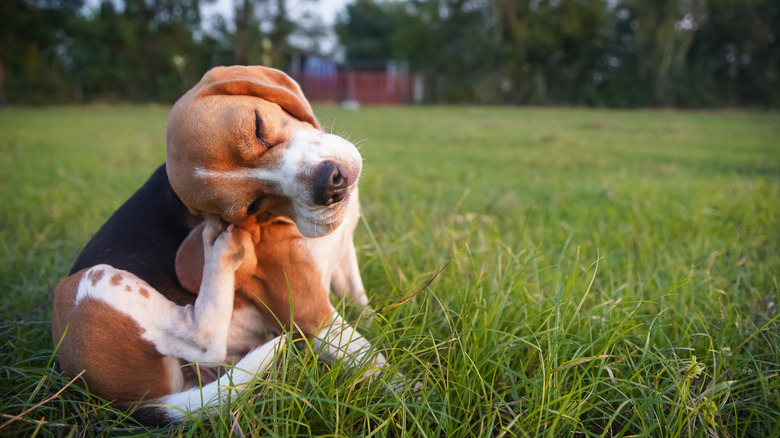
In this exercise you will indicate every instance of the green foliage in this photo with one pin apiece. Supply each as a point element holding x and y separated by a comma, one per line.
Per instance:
<point>368,28</point>
<point>29,38</point>
<point>134,50</point>
<point>621,53</point>
<point>614,273</point>
<point>582,52</point>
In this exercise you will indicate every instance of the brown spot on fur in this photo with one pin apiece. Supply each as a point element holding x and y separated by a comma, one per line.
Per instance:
<point>95,276</point>
<point>128,288</point>
<point>119,364</point>
<point>116,279</point>
<point>144,292</point>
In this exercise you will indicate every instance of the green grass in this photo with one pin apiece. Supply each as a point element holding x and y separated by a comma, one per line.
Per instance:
<point>615,273</point>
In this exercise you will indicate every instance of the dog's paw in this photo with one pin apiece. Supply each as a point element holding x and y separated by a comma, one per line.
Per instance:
<point>230,248</point>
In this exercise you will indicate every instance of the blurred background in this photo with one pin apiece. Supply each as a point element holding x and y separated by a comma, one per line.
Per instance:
<point>615,53</point>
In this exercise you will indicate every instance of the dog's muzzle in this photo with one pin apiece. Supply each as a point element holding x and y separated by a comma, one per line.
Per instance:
<point>331,184</point>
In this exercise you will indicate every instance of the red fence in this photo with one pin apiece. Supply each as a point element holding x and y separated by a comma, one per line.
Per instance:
<point>367,88</point>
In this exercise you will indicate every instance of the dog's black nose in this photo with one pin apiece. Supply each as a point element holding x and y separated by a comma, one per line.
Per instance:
<point>330,184</point>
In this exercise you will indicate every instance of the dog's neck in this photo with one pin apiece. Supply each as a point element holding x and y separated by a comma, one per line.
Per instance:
<point>285,270</point>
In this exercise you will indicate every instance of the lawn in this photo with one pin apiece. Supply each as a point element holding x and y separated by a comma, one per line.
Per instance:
<point>614,273</point>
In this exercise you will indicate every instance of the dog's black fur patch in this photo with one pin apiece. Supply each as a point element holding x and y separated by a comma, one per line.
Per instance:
<point>142,237</point>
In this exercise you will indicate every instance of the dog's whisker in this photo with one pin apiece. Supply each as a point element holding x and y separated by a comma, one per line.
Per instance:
<point>359,144</point>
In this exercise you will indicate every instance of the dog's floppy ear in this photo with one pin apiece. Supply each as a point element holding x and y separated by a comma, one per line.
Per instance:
<point>190,260</point>
<point>263,82</point>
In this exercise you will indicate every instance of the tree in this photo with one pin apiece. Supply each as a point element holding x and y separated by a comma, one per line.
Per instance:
<point>735,57</point>
<point>366,31</point>
<point>448,40</point>
<point>591,52</point>
<point>551,48</point>
<point>32,39</point>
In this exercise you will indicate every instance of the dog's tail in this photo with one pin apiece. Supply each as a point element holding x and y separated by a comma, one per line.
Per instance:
<point>181,405</point>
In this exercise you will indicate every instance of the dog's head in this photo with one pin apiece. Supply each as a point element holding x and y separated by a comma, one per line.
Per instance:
<point>244,144</point>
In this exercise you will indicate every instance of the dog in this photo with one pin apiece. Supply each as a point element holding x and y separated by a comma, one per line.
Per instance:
<point>239,236</point>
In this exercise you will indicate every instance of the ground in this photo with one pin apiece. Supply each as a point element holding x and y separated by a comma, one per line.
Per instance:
<point>613,273</point>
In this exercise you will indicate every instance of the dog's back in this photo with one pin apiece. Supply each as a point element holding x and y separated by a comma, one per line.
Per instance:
<point>142,237</point>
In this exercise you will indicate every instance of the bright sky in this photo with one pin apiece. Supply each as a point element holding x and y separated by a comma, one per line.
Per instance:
<point>327,9</point>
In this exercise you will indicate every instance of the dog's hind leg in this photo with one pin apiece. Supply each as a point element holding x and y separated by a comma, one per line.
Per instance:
<point>130,340</point>
<point>200,332</point>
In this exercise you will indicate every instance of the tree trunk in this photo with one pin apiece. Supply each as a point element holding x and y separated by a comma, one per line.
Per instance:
<point>150,57</point>
<point>242,30</point>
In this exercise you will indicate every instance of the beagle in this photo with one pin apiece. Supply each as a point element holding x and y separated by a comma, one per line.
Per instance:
<point>240,235</point>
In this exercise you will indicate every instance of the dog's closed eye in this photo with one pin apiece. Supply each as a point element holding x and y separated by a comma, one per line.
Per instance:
<point>259,129</point>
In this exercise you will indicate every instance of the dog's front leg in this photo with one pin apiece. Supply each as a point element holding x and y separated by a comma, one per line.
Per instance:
<point>200,332</point>
<point>340,342</point>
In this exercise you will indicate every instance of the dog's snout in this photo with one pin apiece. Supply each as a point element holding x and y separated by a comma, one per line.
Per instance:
<point>330,184</point>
